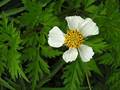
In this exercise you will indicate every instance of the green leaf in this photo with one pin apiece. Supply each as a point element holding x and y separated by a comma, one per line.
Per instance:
<point>106,59</point>
<point>11,47</point>
<point>3,2</point>
<point>110,31</point>
<point>88,2</point>
<point>49,52</point>
<point>91,66</point>
<point>74,3</point>
<point>31,39</point>
<point>6,84</point>
<point>112,6</point>
<point>114,81</point>
<point>58,6</point>
<point>97,44</point>
<point>42,39</point>
<point>49,19</point>
<point>31,17</point>
<point>44,2</point>
<point>91,9</point>
<point>13,11</point>
<point>36,69</point>
<point>29,53</point>
<point>73,75</point>
<point>76,71</point>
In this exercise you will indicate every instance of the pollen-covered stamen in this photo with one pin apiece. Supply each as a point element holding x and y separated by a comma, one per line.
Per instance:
<point>73,39</point>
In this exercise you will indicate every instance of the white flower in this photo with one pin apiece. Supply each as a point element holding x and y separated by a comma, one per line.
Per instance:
<point>79,29</point>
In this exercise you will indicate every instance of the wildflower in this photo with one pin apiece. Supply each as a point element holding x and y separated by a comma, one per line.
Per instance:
<point>79,29</point>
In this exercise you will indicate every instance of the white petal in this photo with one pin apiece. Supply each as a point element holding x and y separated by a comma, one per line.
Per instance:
<point>74,22</point>
<point>55,37</point>
<point>70,55</point>
<point>89,28</point>
<point>86,53</point>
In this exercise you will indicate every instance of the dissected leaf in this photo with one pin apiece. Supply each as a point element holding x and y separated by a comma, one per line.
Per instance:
<point>49,52</point>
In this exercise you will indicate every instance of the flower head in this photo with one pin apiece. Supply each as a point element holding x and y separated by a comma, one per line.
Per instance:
<point>79,29</point>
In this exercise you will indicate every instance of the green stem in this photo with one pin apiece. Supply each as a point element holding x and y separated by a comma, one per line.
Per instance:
<point>88,81</point>
<point>56,69</point>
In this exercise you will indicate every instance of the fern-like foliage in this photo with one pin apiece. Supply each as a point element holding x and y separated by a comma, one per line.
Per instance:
<point>49,52</point>
<point>73,75</point>
<point>114,80</point>
<point>107,16</point>
<point>37,68</point>
<point>98,44</point>
<point>110,28</point>
<point>35,15</point>
<point>34,39</point>
<point>34,11</point>
<point>76,72</point>
<point>24,45</point>
<point>10,40</point>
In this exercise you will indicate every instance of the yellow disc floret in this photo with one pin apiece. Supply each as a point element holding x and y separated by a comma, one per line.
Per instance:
<point>73,39</point>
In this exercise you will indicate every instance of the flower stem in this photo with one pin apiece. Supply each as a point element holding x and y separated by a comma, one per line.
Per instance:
<point>57,67</point>
<point>88,81</point>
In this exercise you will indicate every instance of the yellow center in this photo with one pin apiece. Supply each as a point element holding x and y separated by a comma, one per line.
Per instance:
<point>73,39</point>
